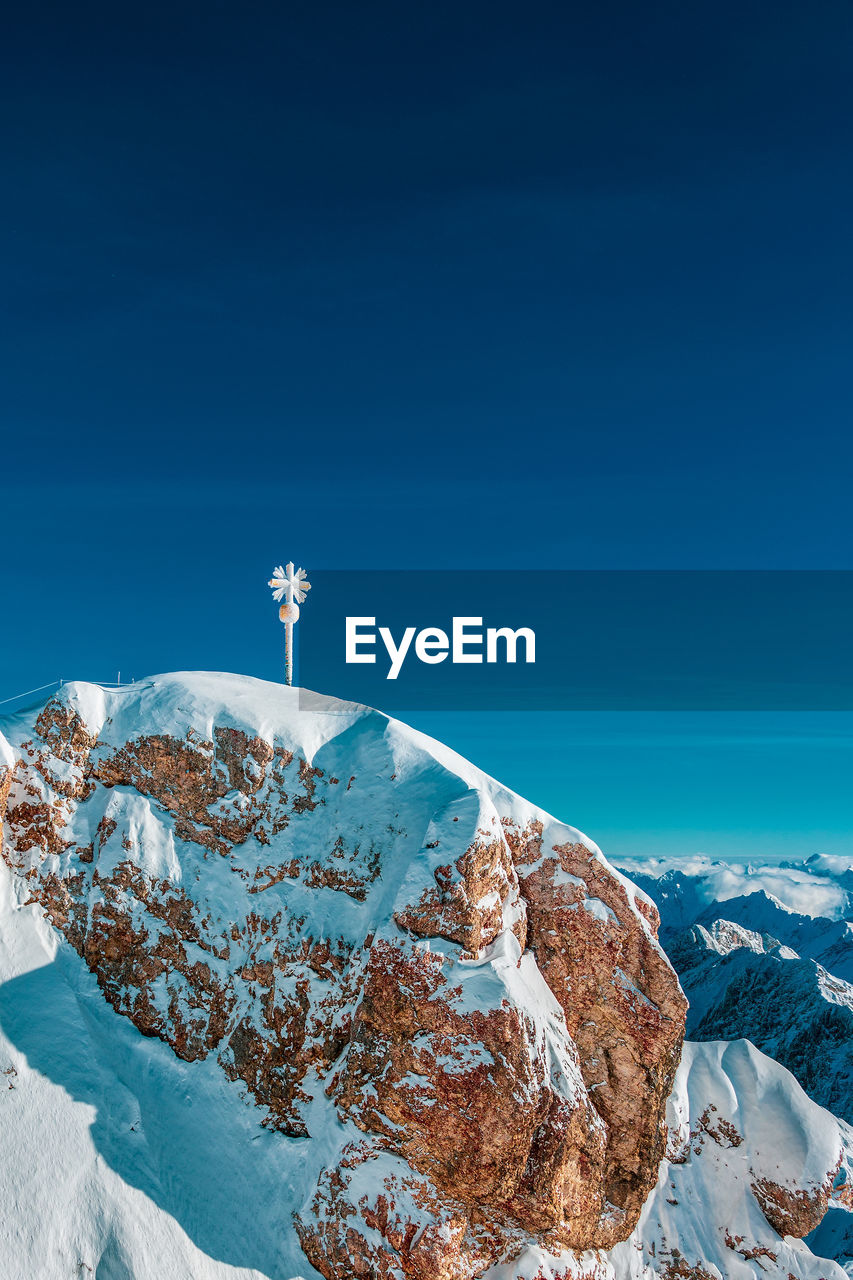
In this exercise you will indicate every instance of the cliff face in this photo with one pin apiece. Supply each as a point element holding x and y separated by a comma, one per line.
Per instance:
<point>7,765</point>
<point>369,933</point>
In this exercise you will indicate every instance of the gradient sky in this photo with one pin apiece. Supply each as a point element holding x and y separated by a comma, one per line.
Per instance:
<point>395,285</point>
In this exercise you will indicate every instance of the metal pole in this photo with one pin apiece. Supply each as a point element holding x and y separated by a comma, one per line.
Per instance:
<point>288,642</point>
<point>290,584</point>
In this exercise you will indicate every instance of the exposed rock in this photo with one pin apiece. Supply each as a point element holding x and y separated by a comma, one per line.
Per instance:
<point>7,768</point>
<point>793,1211</point>
<point>431,1074</point>
<point>621,1007</point>
<point>377,1218</point>
<point>468,901</point>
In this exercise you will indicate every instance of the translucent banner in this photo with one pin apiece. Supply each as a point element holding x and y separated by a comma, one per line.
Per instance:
<point>582,640</point>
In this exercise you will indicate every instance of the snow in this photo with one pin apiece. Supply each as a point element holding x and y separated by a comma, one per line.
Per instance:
<point>562,879</point>
<point>597,909</point>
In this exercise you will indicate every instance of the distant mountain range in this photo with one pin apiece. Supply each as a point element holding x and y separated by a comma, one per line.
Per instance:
<point>773,964</point>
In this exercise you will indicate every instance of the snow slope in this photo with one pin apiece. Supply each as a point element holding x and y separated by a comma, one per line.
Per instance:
<point>119,1160</point>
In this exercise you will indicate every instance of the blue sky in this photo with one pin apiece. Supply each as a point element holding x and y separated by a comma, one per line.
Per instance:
<point>392,285</point>
<point>745,786</point>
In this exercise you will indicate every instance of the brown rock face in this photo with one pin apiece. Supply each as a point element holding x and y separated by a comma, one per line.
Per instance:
<point>472,994</point>
<point>7,765</point>
<point>792,1211</point>
<point>431,1076</point>
<point>621,1008</point>
<point>405,1227</point>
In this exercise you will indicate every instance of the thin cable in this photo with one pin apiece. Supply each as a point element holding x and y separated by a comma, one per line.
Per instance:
<point>38,689</point>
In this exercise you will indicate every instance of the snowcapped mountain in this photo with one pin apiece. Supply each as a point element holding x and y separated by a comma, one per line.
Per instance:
<point>793,1008</point>
<point>288,989</point>
<point>771,964</point>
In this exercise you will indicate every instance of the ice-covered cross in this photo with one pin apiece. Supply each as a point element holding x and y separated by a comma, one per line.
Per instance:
<point>289,585</point>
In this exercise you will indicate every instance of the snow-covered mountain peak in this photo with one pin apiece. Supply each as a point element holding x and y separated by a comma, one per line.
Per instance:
<point>380,1016</point>
<point>450,994</point>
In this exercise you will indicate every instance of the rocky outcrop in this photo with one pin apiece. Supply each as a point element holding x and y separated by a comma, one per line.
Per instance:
<point>620,1005</point>
<point>7,765</point>
<point>347,916</point>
